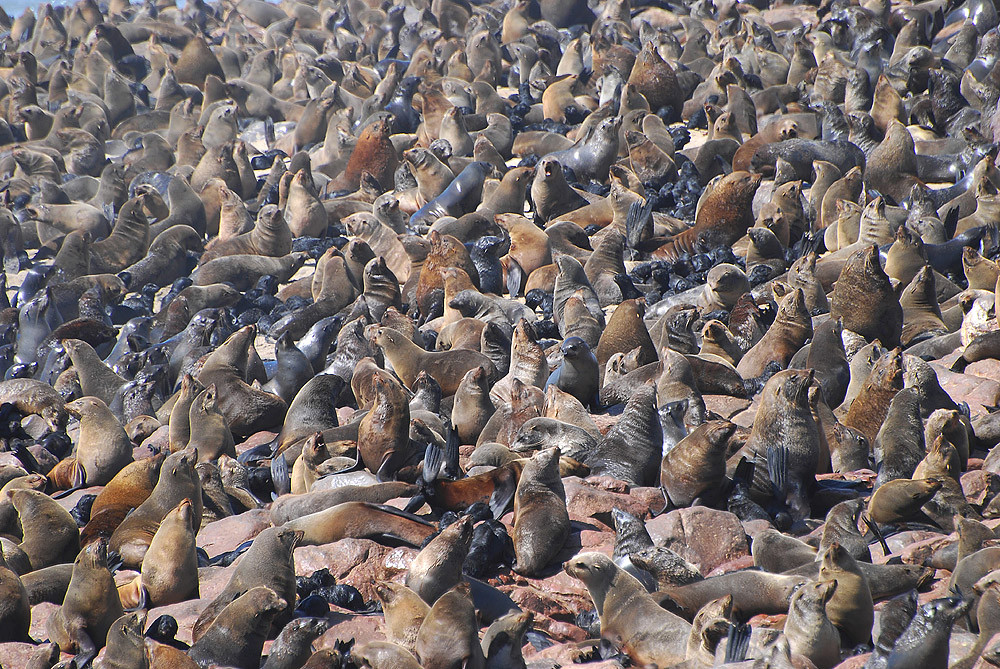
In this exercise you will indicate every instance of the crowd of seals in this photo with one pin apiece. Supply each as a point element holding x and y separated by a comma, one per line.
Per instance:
<point>500,334</point>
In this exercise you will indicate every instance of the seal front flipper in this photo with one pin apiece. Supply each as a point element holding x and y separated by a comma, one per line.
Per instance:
<point>777,470</point>
<point>281,477</point>
<point>515,277</point>
<point>452,470</point>
<point>639,217</point>
<point>502,496</point>
<point>873,526</point>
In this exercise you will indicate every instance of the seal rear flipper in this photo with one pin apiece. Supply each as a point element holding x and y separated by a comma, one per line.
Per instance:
<point>737,642</point>
<point>640,215</point>
<point>433,463</point>
<point>502,496</point>
<point>227,558</point>
<point>281,478</point>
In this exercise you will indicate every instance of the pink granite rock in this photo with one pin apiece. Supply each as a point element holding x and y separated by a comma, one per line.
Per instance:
<point>705,537</point>
<point>226,534</point>
<point>358,562</point>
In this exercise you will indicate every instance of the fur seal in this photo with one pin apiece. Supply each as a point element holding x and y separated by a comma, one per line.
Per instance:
<point>178,480</point>
<point>449,634</point>
<point>236,636</point>
<point>169,572</point>
<point>445,367</point>
<point>723,217</point>
<point>267,564</point>
<point>91,605</point>
<point>103,448</point>
<point>630,618</point>
<point>541,520</point>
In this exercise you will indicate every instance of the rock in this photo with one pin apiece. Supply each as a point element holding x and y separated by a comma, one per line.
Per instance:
<point>226,534</point>
<point>919,552</point>
<point>186,614</point>
<point>706,537</point>
<point>744,562</point>
<point>726,406</point>
<point>980,486</point>
<point>157,442</point>
<point>899,542</point>
<point>596,498</point>
<point>347,626</point>
<point>358,562</point>
<point>979,392</point>
<point>13,654</point>
<point>856,662</point>
<point>256,440</point>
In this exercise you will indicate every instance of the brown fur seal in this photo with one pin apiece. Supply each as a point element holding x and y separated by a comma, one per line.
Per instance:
<point>791,328</point>
<point>247,409</point>
<point>178,480</point>
<point>169,571</point>
<point>810,632</point>
<point>49,532</point>
<point>383,441</point>
<point>103,448</point>
<point>34,397</point>
<point>15,611</point>
<point>91,605</point>
<point>541,521</point>
<point>630,618</point>
<point>865,300</point>
<point>437,567</point>
<point>723,217</point>
<point>126,491</point>
<point>869,408</point>
<point>445,367</point>
<point>269,564</point>
<point>449,635</point>
<point>360,520</point>
<point>209,433</point>
<point>850,608</point>
<point>236,636</point>
<point>404,613</point>
<point>697,464</point>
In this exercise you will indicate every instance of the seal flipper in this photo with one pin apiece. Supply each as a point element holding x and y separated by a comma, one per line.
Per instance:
<point>873,526</point>
<point>281,478</point>
<point>502,496</point>
<point>515,278</point>
<point>261,452</point>
<point>777,470</point>
<point>451,470</point>
<point>433,463</point>
<point>639,217</point>
<point>227,558</point>
<point>737,642</point>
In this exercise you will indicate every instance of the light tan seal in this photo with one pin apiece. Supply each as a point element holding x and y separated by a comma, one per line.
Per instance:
<point>169,571</point>
<point>90,608</point>
<point>630,618</point>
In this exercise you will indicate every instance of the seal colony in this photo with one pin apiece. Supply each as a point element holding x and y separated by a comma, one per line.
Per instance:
<point>500,334</point>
